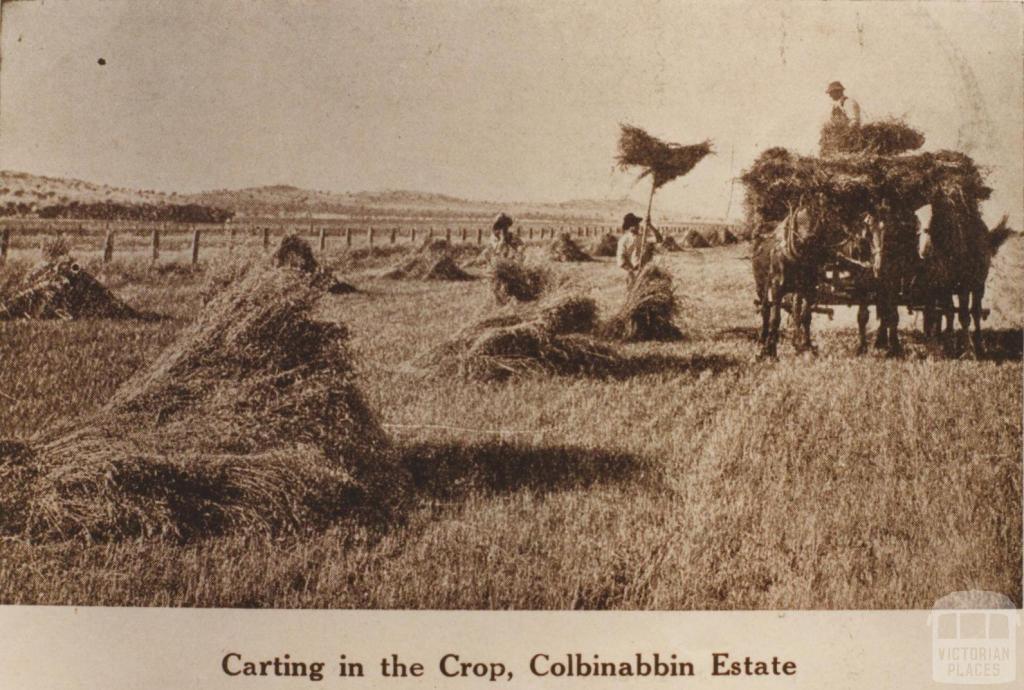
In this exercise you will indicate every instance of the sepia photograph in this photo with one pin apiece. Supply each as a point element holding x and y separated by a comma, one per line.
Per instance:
<point>476,306</point>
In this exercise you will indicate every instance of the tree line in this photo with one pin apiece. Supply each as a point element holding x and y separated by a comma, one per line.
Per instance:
<point>111,210</point>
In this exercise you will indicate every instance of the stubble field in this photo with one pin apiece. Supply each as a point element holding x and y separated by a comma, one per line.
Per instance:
<point>695,478</point>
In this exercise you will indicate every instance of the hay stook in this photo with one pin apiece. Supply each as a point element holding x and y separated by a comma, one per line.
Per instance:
<point>565,249</point>
<point>649,310</point>
<point>513,280</point>
<point>250,422</point>
<point>62,289</point>
<point>548,338</point>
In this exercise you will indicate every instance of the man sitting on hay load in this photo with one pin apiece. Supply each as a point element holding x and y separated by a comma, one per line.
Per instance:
<point>627,255</point>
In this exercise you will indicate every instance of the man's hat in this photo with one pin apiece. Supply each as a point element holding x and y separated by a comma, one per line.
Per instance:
<point>631,220</point>
<point>835,86</point>
<point>502,221</point>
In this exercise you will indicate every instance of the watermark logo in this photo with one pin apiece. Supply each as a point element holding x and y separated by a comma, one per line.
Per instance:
<point>974,637</point>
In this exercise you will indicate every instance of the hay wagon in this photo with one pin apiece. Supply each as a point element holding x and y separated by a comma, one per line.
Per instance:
<point>847,283</point>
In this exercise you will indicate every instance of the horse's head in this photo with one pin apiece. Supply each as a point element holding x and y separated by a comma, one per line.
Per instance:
<point>925,245</point>
<point>891,235</point>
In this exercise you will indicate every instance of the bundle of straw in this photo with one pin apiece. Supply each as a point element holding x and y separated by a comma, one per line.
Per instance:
<point>608,245</point>
<point>661,161</point>
<point>62,289</point>
<point>513,280</point>
<point>884,137</point>
<point>649,310</point>
<point>566,249</point>
<point>250,422</point>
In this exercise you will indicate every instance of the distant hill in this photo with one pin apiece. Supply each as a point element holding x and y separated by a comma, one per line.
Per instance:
<point>26,194</point>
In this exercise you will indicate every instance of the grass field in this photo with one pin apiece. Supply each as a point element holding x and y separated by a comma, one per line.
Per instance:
<point>698,478</point>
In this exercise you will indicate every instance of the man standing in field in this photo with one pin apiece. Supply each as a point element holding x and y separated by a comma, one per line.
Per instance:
<point>627,254</point>
<point>503,243</point>
<point>845,110</point>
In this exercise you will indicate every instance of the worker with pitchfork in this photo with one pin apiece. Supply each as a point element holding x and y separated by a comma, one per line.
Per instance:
<point>503,242</point>
<point>629,255</point>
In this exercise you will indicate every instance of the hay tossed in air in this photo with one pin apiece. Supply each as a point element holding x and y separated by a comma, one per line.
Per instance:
<point>851,184</point>
<point>884,137</point>
<point>434,260</point>
<point>550,340</point>
<point>608,245</point>
<point>513,280</point>
<point>565,249</point>
<point>250,422</point>
<point>694,240</point>
<point>649,310</point>
<point>662,161</point>
<point>62,289</point>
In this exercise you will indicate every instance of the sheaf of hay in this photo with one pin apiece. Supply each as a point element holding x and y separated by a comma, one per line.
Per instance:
<point>649,310</point>
<point>565,249</point>
<point>608,245</point>
<point>62,289</point>
<point>660,160</point>
<point>434,260</point>
<point>250,422</point>
<point>514,280</point>
<point>669,244</point>
<point>292,253</point>
<point>884,137</point>
<point>550,338</point>
<point>694,240</point>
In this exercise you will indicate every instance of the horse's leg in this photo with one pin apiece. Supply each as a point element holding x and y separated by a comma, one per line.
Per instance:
<point>977,295</point>
<point>796,320</point>
<point>882,334</point>
<point>772,346</point>
<point>963,298</point>
<point>862,328</point>
<point>766,315</point>
<point>947,333</point>
<point>805,319</point>
<point>895,346</point>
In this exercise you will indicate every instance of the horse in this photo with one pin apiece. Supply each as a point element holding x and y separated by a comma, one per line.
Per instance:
<point>787,261</point>
<point>895,261</point>
<point>957,258</point>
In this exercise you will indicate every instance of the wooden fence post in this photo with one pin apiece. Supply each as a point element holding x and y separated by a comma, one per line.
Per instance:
<point>5,242</point>
<point>463,235</point>
<point>323,238</point>
<point>370,236</point>
<point>348,237</point>
<point>394,235</point>
<point>448,235</point>
<point>266,239</point>
<point>412,235</point>
<point>231,239</point>
<point>479,235</point>
<point>195,246</point>
<point>529,233</point>
<point>155,244</point>
<point>108,247</point>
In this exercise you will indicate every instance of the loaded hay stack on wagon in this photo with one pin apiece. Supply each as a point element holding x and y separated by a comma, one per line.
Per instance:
<point>860,172</point>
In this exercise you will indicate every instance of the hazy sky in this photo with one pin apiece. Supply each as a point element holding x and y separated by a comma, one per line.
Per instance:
<point>488,100</point>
